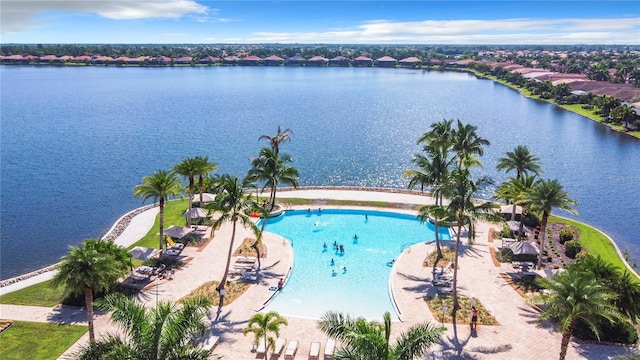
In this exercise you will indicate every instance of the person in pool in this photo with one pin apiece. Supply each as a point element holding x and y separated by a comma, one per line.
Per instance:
<point>333,273</point>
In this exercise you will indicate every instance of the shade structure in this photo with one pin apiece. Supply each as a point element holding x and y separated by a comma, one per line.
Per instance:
<point>523,248</point>
<point>142,253</point>
<point>206,197</point>
<point>508,209</point>
<point>177,232</point>
<point>195,213</point>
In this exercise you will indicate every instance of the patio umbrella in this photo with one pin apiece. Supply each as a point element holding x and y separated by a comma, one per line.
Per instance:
<point>142,253</point>
<point>206,197</point>
<point>508,209</point>
<point>195,213</point>
<point>177,232</point>
<point>523,247</point>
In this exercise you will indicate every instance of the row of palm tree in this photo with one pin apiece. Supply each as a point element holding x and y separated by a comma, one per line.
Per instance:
<point>358,338</point>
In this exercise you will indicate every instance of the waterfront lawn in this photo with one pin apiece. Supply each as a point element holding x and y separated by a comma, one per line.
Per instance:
<point>25,340</point>
<point>42,294</point>
<point>594,241</point>
<point>173,211</point>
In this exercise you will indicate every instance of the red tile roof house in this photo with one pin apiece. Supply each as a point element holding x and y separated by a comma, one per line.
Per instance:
<point>184,60</point>
<point>48,59</point>
<point>273,60</point>
<point>99,59</point>
<point>317,61</point>
<point>252,60</point>
<point>14,59</point>
<point>210,60</point>
<point>339,61</point>
<point>231,60</point>
<point>82,59</point>
<point>386,61</point>
<point>410,62</point>
<point>362,61</point>
<point>295,60</point>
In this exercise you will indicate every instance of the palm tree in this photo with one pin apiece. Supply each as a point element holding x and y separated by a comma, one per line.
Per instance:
<point>573,296</point>
<point>463,210</point>
<point>189,168</point>
<point>272,168</point>
<point>235,206</point>
<point>468,145</point>
<point>162,332</point>
<point>370,340</point>
<point>94,266</point>
<point>437,213</point>
<point>262,326</point>
<point>521,160</point>
<point>279,137</point>
<point>160,186</point>
<point>518,191</point>
<point>439,134</point>
<point>204,168</point>
<point>546,195</point>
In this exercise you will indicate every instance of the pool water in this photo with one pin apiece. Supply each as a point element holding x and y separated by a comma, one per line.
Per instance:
<point>357,283</point>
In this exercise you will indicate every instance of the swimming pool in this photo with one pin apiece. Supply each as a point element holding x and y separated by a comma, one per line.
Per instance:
<point>358,281</point>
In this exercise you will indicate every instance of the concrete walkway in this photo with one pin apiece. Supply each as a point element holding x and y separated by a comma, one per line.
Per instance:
<point>519,335</point>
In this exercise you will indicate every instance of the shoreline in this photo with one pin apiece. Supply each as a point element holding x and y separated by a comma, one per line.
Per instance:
<point>125,220</point>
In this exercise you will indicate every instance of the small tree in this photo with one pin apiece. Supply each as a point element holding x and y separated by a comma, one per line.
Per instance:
<point>263,326</point>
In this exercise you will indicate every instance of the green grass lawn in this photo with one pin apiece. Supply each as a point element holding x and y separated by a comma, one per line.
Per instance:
<point>594,241</point>
<point>38,341</point>
<point>173,211</point>
<point>42,294</point>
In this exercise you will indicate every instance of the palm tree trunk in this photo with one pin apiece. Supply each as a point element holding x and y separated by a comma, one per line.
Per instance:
<point>201,183</point>
<point>273,197</point>
<point>513,213</point>
<point>521,228</point>
<point>223,282</point>
<point>161,224</point>
<point>456,305</point>
<point>543,236</point>
<point>191,183</point>
<point>88,301</point>
<point>438,248</point>
<point>566,337</point>
<point>258,244</point>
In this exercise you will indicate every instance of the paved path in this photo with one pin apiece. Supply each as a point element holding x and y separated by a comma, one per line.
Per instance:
<point>519,335</point>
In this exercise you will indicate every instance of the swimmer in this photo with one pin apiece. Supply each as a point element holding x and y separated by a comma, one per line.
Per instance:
<point>366,217</point>
<point>333,273</point>
<point>319,209</point>
<point>344,269</point>
<point>335,245</point>
<point>355,236</point>
<point>309,210</point>
<point>341,249</point>
<point>324,246</point>
<point>332,262</point>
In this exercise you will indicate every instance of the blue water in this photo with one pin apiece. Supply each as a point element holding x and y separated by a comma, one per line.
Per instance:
<point>76,140</point>
<point>361,290</point>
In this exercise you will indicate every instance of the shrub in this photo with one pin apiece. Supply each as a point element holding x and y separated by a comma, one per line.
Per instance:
<point>566,235</point>
<point>572,248</point>
<point>619,332</point>
<point>530,220</point>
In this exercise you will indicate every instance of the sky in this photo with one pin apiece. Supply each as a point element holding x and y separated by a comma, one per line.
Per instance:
<point>320,22</point>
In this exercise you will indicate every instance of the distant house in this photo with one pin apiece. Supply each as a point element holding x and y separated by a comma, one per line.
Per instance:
<point>317,61</point>
<point>339,61</point>
<point>464,63</point>
<point>295,60</point>
<point>161,61</point>
<point>99,59</point>
<point>362,61</point>
<point>210,60</point>
<point>386,61</point>
<point>231,60</point>
<point>273,60</point>
<point>410,62</point>
<point>184,60</point>
<point>82,59</point>
<point>48,59</point>
<point>252,60</point>
<point>435,62</point>
<point>15,59</point>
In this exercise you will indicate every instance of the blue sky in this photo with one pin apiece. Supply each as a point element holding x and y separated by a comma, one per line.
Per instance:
<point>331,22</point>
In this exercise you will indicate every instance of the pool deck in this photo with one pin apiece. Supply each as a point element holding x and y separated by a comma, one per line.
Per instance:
<point>519,335</point>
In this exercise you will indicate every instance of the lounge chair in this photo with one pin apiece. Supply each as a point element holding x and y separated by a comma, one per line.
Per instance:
<point>314,351</point>
<point>329,348</point>
<point>210,343</point>
<point>280,343</point>
<point>262,347</point>
<point>290,353</point>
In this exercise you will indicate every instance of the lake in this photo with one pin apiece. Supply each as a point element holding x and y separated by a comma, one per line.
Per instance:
<point>76,140</point>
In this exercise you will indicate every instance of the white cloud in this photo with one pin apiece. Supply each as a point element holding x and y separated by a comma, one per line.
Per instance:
<point>508,31</point>
<point>21,15</point>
